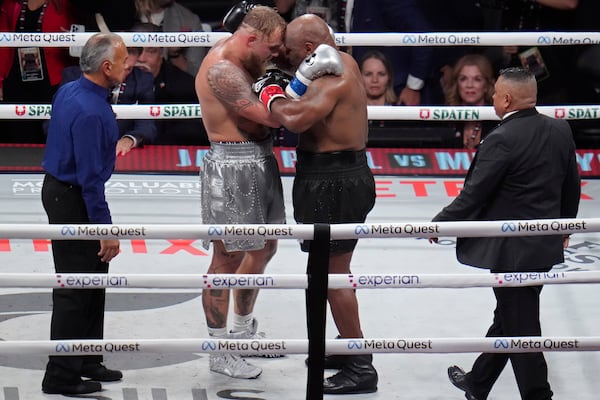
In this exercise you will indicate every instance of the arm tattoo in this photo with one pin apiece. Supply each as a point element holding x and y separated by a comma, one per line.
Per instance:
<point>231,86</point>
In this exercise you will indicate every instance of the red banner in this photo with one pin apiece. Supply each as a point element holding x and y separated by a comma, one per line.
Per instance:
<point>187,159</point>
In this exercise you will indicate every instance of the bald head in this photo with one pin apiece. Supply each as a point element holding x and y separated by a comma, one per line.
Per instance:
<point>303,35</point>
<point>515,89</point>
<point>310,28</point>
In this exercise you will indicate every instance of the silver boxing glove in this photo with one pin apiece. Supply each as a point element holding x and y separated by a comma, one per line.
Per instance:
<point>325,60</point>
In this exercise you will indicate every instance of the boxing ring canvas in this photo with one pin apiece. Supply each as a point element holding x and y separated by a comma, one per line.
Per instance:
<point>566,310</point>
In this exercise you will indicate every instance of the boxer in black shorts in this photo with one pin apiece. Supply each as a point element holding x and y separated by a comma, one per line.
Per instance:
<point>334,187</point>
<point>328,111</point>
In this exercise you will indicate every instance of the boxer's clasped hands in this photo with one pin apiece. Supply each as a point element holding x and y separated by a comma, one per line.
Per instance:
<point>271,86</point>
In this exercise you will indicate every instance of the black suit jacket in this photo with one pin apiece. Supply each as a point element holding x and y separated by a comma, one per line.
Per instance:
<point>174,86</point>
<point>524,169</point>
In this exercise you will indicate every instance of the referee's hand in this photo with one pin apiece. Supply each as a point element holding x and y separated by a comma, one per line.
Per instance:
<point>109,249</point>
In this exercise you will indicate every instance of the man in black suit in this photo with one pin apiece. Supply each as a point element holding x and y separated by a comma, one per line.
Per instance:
<point>171,86</point>
<point>524,169</point>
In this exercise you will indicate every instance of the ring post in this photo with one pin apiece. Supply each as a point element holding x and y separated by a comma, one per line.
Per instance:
<point>317,271</point>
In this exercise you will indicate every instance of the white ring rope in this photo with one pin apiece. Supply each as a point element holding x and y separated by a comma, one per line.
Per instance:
<point>411,113</point>
<point>292,281</point>
<point>534,227</point>
<point>526,344</point>
<point>208,39</point>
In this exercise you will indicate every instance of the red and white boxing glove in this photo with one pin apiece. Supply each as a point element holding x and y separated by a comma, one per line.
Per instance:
<point>271,86</point>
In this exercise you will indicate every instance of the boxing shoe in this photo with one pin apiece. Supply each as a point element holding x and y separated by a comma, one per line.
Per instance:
<point>332,361</point>
<point>81,387</point>
<point>98,372</point>
<point>253,334</point>
<point>233,366</point>
<point>356,376</point>
<point>458,378</point>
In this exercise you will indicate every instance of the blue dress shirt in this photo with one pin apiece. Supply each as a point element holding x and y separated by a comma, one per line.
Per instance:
<point>81,143</point>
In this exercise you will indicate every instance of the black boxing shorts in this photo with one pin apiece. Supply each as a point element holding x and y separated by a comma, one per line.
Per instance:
<point>336,187</point>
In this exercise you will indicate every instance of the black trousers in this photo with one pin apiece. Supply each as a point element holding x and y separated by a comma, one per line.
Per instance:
<point>76,313</point>
<point>517,314</point>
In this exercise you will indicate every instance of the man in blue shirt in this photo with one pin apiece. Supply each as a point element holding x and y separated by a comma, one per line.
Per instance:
<point>79,159</point>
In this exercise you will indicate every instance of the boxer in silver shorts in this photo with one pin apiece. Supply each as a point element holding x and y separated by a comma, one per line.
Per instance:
<point>240,184</point>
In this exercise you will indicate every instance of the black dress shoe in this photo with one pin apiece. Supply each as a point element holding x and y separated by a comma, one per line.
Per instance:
<point>356,376</point>
<point>458,378</point>
<point>98,372</point>
<point>82,387</point>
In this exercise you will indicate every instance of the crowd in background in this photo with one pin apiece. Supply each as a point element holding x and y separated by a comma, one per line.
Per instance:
<point>394,75</point>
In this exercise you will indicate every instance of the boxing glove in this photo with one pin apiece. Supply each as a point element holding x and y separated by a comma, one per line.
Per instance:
<point>271,86</point>
<point>235,15</point>
<point>325,60</point>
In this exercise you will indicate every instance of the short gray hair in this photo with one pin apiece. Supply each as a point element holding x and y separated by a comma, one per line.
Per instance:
<point>99,48</point>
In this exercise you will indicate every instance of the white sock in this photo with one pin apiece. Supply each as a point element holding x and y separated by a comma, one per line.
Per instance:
<point>242,323</point>
<point>217,332</point>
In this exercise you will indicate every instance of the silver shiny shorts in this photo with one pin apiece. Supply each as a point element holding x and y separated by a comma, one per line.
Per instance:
<point>240,184</point>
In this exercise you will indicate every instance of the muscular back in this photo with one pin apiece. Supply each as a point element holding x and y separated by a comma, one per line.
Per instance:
<point>332,114</point>
<point>231,112</point>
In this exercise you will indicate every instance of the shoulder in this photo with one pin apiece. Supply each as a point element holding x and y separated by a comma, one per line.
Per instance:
<point>227,70</point>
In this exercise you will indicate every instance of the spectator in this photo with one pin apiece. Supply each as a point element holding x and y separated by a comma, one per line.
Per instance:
<point>171,86</point>
<point>138,88</point>
<point>378,77</point>
<point>471,84</point>
<point>550,64</point>
<point>332,11</point>
<point>120,15</point>
<point>526,169</point>
<point>31,75</point>
<point>413,81</point>
<point>452,16</point>
<point>171,16</point>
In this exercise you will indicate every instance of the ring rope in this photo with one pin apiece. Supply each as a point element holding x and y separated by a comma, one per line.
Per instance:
<point>524,344</point>
<point>282,231</point>
<point>411,113</point>
<point>292,281</point>
<point>208,39</point>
